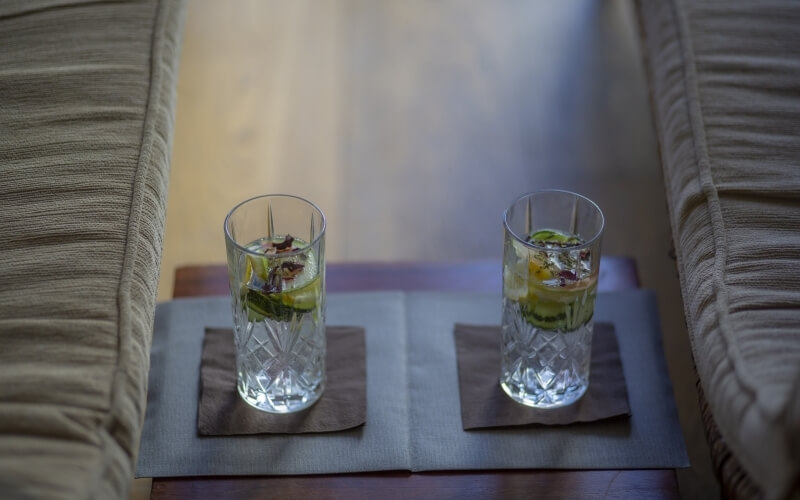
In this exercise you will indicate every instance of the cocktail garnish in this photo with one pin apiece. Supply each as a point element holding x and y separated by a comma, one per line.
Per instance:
<point>274,283</point>
<point>565,273</point>
<point>548,238</point>
<point>285,245</point>
<point>291,270</point>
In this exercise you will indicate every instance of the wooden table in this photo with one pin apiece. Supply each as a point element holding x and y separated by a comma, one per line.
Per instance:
<point>484,276</point>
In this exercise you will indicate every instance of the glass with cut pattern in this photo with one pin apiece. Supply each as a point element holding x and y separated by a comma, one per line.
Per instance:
<point>551,261</point>
<point>276,268</point>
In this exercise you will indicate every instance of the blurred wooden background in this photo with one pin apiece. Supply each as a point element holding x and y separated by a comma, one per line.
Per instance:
<point>413,124</point>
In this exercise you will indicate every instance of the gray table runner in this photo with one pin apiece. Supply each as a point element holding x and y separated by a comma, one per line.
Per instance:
<point>413,412</point>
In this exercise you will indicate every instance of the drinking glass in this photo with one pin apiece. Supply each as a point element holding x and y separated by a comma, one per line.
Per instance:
<point>276,266</point>
<point>551,260</point>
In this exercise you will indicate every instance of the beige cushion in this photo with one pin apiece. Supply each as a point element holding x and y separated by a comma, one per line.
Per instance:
<point>726,88</point>
<point>86,112</point>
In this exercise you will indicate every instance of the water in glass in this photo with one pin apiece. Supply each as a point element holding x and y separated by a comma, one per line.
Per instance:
<point>548,304</point>
<point>280,334</point>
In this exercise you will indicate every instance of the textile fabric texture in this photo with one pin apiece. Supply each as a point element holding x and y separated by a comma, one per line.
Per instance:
<point>87,93</point>
<point>343,405</point>
<point>725,81</point>
<point>484,404</point>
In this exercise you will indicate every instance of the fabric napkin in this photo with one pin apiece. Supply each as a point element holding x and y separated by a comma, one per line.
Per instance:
<point>484,404</point>
<point>343,405</point>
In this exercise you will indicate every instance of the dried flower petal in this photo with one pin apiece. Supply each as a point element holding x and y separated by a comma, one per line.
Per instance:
<point>285,245</point>
<point>291,270</point>
<point>565,273</point>
<point>274,283</point>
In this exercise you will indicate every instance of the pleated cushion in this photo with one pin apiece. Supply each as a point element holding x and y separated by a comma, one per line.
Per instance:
<point>87,94</point>
<point>725,80</point>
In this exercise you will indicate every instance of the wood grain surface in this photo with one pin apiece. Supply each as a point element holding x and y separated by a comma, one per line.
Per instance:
<point>638,485</point>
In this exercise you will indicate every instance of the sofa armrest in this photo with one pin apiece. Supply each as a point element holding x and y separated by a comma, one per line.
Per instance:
<point>87,93</point>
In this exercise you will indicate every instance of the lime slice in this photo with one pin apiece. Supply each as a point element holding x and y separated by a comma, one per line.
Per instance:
<point>553,236</point>
<point>264,305</point>
<point>544,235</point>
<point>302,299</point>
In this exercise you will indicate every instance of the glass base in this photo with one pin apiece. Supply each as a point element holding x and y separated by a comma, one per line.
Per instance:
<point>272,403</point>
<point>280,364</point>
<point>539,398</point>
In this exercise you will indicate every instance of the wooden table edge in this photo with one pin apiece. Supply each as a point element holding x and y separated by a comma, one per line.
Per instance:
<point>484,275</point>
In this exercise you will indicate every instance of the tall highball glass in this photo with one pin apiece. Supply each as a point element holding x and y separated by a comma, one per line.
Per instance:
<point>551,261</point>
<point>276,265</point>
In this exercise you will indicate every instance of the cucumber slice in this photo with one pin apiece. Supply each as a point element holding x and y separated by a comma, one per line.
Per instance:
<point>262,305</point>
<point>555,308</point>
<point>281,306</point>
<point>280,286</point>
<point>301,295</point>
<point>556,316</point>
<point>547,315</point>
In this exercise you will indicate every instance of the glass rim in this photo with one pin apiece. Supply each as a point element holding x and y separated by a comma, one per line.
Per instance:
<point>588,243</point>
<point>297,251</point>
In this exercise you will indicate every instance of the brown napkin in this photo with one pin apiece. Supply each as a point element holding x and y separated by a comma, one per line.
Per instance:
<point>343,405</point>
<point>484,404</point>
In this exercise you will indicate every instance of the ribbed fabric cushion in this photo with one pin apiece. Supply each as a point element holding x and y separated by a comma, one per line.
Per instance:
<point>86,116</point>
<point>726,87</point>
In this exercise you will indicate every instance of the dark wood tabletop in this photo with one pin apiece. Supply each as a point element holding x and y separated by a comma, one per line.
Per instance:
<point>617,273</point>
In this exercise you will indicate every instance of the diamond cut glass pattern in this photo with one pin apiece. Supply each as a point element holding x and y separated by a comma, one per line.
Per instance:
<point>551,263</point>
<point>276,268</point>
